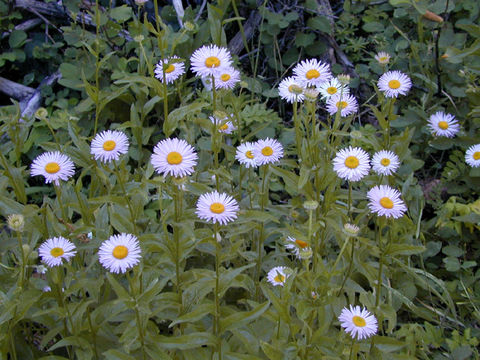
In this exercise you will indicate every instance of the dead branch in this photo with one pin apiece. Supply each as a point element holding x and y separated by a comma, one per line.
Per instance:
<point>15,90</point>
<point>30,104</point>
<point>236,45</point>
<point>25,26</point>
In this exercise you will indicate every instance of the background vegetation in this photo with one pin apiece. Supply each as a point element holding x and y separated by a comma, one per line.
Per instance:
<point>103,54</point>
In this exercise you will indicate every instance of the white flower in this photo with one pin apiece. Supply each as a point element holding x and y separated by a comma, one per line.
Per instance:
<point>472,155</point>
<point>357,322</point>
<point>54,250</point>
<point>332,87</point>
<point>245,155</point>
<point>394,83</point>
<point>351,164</point>
<point>174,157</point>
<point>298,247</point>
<point>383,58</point>
<point>346,103</point>
<point>385,201</point>
<point>47,289</point>
<point>385,162</point>
<point>119,253</point>
<point>109,145</point>
<point>223,125</point>
<point>312,72</point>
<point>278,275</point>
<point>291,90</point>
<point>54,166</point>
<point>267,151</point>
<point>174,68</point>
<point>217,207</point>
<point>442,124</point>
<point>227,78</point>
<point>210,60</point>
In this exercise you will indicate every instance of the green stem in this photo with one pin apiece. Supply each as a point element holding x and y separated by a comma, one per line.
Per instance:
<point>58,191</point>
<point>352,349</point>
<point>347,274</point>
<point>127,199</point>
<point>97,66</point>
<point>263,203</point>
<point>217,332</point>
<point>176,233</point>
<point>22,253</point>
<point>298,134</point>
<point>380,267</point>
<point>140,328</point>
<point>349,201</point>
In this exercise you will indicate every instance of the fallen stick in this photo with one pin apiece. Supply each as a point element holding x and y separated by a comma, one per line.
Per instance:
<point>15,90</point>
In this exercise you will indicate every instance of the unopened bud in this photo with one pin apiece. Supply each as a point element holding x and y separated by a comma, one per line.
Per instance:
<point>16,222</point>
<point>311,94</point>
<point>351,230</point>
<point>41,113</point>
<point>295,89</point>
<point>344,79</point>
<point>310,204</point>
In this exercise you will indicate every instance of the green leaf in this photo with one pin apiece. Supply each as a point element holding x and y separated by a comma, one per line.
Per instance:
<point>121,13</point>
<point>199,312</point>
<point>239,319</point>
<point>304,40</point>
<point>117,355</point>
<point>452,250</point>
<point>181,113</point>
<point>17,38</point>
<point>320,23</point>
<point>403,249</point>
<point>451,264</point>
<point>462,353</point>
<point>184,342</point>
<point>119,289</point>
<point>272,352</point>
<point>373,27</point>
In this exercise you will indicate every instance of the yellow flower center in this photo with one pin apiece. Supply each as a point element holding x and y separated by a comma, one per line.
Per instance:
<point>386,203</point>
<point>224,127</point>
<point>249,154</point>
<point>341,105</point>
<point>383,59</point>
<point>225,77</point>
<point>312,74</point>
<point>332,90</point>
<point>217,208</point>
<point>301,243</point>
<point>279,278</point>
<point>212,61</point>
<point>52,168</point>
<point>359,321</point>
<point>351,162</point>
<point>385,161</point>
<point>56,252</point>
<point>120,252</point>
<point>443,125</point>
<point>109,145</point>
<point>394,84</point>
<point>267,151</point>
<point>174,158</point>
<point>476,155</point>
<point>169,68</point>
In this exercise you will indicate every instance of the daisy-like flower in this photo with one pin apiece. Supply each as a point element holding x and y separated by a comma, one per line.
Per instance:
<point>119,253</point>
<point>351,164</point>
<point>278,275</point>
<point>210,60</point>
<point>174,157</point>
<point>217,207</point>
<point>109,145</point>
<point>223,125</point>
<point>291,90</point>
<point>267,151</point>
<point>312,72</point>
<point>346,103</point>
<point>383,58</point>
<point>385,201</point>
<point>472,155</point>
<point>227,78</point>
<point>358,322</point>
<point>442,124</point>
<point>385,162</point>
<point>245,156</point>
<point>54,250</point>
<point>54,166</point>
<point>332,87</point>
<point>394,83</point>
<point>173,67</point>
<point>300,248</point>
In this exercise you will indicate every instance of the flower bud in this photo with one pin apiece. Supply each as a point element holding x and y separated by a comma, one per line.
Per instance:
<point>16,222</point>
